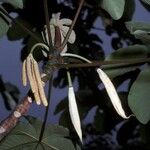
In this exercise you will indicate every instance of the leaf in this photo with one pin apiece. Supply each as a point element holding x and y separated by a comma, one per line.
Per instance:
<point>25,136</point>
<point>15,32</point>
<point>129,10</point>
<point>132,26</point>
<point>15,3</point>
<point>130,52</point>
<point>114,7</point>
<point>139,94</point>
<point>146,1</point>
<point>140,30</point>
<point>74,114</point>
<point>142,35</point>
<point>4,26</point>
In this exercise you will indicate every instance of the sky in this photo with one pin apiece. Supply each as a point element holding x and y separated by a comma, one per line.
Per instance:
<point>10,68</point>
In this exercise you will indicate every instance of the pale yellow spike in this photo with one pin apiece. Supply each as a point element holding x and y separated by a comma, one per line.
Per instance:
<point>36,94</point>
<point>29,73</point>
<point>40,86</point>
<point>24,73</point>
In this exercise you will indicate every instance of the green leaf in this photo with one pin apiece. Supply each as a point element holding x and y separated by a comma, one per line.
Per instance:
<point>15,32</point>
<point>129,10</point>
<point>4,26</point>
<point>133,26</point>
<point>146,1</point>
<point>60,143</point>
<point>143,36</point>
<point>130,52</point>
<point>15,3</point>
<point>139,95</point>
<point>140,30</point>
<point>26,136</point>
<point>114,7</point>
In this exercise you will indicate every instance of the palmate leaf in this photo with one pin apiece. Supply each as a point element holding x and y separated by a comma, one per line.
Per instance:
<point>140,30</point>
<point>128,53</point>
<point>25,136</point>
<point>114,7</point>
<point>139,95</point>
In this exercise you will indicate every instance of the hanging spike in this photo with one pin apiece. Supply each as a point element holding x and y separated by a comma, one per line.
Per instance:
<point>39,82</point>
<point>24,73</point>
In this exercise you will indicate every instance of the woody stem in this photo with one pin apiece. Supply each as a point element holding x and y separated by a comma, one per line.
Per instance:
<point>72,25</point>
<point>48,25</point>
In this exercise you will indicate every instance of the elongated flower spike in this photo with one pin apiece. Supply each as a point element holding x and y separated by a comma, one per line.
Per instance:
<point>73,109</point>
<point>30,69</point>
<point>112,93</point>
<point>24,73</point>
<point>62,25</point>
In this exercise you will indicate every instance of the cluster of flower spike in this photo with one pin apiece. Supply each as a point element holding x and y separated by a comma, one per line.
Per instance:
<point>30,69</point>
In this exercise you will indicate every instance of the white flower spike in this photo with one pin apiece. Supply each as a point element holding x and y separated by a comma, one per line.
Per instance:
<point>73,109</point>
<point>62,24</point>
<point>74,112</point>
<point>112,93</point>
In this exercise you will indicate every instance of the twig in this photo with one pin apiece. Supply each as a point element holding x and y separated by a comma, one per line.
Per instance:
<point>50,80</point>
<point>10,122</point>
<point>104,64</point>
<point>48,25</point>
<point>46,111</point>
<point>72,25</point>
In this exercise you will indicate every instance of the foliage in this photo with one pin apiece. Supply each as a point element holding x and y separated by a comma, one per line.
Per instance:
<point>131,41</point>
<point>26,136</point>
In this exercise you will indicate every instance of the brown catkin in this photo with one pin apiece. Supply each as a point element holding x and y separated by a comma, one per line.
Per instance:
<point>29,73</point>
<point>36,94</point>
<point>40,86</point>
<point>24,73</point>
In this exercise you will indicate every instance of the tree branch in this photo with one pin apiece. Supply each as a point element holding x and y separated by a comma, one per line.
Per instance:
<point>48,25</point>
<point>10,122</point>
<point>72,25</point>
<point>104,64</point>
<point>47,109</point>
